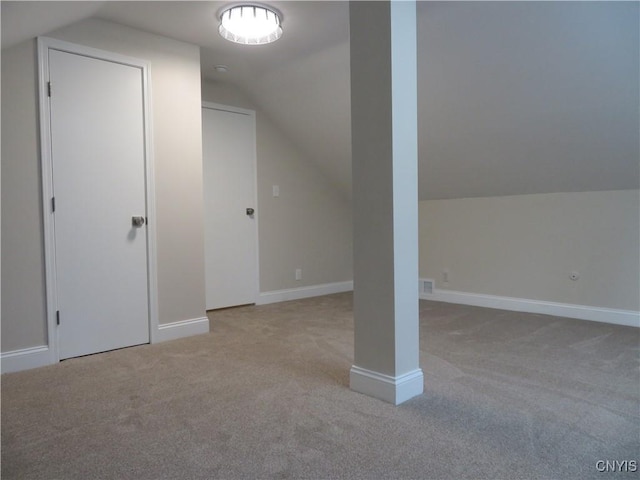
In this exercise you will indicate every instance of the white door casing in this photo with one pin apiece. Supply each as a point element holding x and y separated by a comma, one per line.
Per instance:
<point>97,165</point>
<point>231,236</point>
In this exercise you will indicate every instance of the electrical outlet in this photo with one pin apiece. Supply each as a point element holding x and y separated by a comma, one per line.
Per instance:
<point>445,276</point>
<point>298,274</point>
<point>276,191</point>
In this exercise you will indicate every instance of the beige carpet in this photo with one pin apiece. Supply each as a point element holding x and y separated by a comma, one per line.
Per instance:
<point>265,395</point>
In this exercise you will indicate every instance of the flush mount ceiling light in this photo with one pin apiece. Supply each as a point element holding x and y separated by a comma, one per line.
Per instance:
<point>250,24</point>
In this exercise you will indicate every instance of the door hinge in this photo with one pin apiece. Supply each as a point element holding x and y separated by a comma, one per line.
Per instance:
<point>58,317</point>
<point>53,204</point>
<point>48,89</point>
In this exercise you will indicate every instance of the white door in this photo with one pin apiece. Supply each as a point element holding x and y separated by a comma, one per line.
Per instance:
<point>98,170</point>
<point>229,153</point>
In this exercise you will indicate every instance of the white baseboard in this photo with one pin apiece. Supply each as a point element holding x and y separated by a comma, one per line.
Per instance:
<point>395,390</point>
<point>183,328</point>
<point>25,359</point>
<point>40,356</point>
<point>627,318</point>
<point>303,292</point>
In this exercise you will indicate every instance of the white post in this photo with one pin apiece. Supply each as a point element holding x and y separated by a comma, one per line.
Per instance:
<point>384,120</point>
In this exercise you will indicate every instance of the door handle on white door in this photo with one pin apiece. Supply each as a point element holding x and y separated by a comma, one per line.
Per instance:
<point>137,221</point>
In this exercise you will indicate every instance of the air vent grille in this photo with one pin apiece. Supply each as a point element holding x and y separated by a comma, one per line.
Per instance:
<point>426,285</point>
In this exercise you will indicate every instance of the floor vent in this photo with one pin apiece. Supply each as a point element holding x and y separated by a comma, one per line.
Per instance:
<point>426,285</point>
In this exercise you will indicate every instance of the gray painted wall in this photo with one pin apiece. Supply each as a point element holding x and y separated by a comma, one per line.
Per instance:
<point>526,246</point>
<point>23,287</point>
<point>176,117</point>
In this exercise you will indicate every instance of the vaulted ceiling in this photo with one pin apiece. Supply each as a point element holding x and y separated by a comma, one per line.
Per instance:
<point>514,97</point>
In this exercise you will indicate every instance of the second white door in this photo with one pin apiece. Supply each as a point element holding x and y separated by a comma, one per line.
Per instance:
<point>229,153</point>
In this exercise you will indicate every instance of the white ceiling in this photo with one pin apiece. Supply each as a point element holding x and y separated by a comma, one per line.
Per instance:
<point>514,97</point>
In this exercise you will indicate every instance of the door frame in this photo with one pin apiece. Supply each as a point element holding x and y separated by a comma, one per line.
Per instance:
<point>252,115</point>
<point>44,45</point>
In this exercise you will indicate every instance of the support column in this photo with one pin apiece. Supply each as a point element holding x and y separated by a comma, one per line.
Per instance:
<point>384,129</point>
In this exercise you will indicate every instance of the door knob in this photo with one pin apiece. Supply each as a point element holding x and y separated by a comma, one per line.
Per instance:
<point>137,221</point>
<point>250,211</point>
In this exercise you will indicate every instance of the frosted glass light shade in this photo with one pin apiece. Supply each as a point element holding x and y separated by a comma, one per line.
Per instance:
<point>250,25</point>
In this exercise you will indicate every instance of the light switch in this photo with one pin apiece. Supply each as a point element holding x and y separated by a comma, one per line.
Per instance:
<point>276,190</point>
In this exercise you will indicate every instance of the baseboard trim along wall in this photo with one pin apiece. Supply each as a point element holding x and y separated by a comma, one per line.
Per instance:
<point>303,292</point>
<point>34,357</point>
<point>25,359</point>
<point>181,329</point>
<point>395,390</point>
<point>627,318</point>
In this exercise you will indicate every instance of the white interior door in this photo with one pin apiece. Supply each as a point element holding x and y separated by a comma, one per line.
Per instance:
<point>229,152</point>
<point>98,170</point>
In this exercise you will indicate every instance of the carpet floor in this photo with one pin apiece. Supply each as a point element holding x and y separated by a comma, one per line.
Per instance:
<point>265,396</point>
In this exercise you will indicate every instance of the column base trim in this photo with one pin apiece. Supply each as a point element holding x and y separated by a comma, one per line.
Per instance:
<point>395,390</point>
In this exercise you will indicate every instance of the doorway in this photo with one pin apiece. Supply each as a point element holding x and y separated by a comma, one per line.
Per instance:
<point>97,196</point>
<point>231,231</point>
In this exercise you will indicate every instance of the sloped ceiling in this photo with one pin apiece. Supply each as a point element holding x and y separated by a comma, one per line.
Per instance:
<point>528,97</point>
<point>514,97</point>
